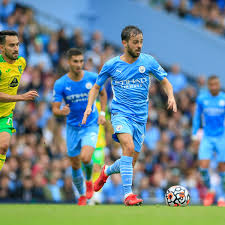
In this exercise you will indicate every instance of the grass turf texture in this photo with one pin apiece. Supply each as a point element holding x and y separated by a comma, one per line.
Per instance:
<point>51,214</point>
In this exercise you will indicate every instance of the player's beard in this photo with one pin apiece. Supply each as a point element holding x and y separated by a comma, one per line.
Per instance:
<point>11,56</point>
<point>132,53</point>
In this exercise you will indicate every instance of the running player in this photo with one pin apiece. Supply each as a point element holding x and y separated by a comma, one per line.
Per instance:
<point>210,106</point>
<point>11,69</point>
<point>74,87</point>
<point>130,85</point>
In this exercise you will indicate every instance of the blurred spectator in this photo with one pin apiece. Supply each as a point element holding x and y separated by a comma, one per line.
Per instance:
<point>77,40</point>
<point>63,42</point>
<point>152,136</point>
<point>39,58</point>
<point>201,84</point>
<point>6,9</point>
<point>10,24</point>
<point>113,190</point>
<point>53,191</point>
<point>177,79</point>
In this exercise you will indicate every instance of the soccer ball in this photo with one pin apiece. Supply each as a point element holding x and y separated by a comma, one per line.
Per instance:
<point>177,196</point>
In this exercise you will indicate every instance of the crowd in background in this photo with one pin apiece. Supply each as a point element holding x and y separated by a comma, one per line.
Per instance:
<point>37,167</point>
<point>209,14</point>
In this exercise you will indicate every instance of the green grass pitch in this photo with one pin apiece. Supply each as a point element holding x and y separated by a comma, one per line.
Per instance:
<point>50,214</point>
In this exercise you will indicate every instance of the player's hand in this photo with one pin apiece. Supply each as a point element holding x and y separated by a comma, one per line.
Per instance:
<point>65,110</point>
<point>172,104</point>
<point>86,114</point>
<point>101,120</point>
<point>29,96</point>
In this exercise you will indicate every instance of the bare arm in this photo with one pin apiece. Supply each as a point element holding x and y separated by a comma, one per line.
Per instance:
<point>60,112</point>
<point>30,95</point>
<point>167,87</point>
<point>91,98</point>
<point>103,99</point>
<point>103,102</point>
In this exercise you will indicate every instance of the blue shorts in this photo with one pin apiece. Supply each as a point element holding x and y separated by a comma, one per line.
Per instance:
<point>122,124</point>
<point>76,138</point>
<point>211,145</point>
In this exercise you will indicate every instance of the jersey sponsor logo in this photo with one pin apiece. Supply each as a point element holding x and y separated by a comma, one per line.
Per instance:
<point>8,70</point>
<point>214,111</point>
<point>20,69</point>
<point>134,83</point>
<point>142,69</point>
<point>13,82</point>
<point>88,85</point>
<point>119,127</point>
<point>82,97</point>
<point>118,71</point>
<point>68,88</point>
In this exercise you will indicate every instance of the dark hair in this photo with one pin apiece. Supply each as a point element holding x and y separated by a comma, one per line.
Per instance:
<point>73,51</point>
<point>213,77</point>
<point>5,33</point>
<point>129,31</point>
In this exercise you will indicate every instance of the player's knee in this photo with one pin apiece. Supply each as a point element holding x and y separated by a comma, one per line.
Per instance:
<point>75,165</point>
<point>4,148</point>
<point>85,159</point>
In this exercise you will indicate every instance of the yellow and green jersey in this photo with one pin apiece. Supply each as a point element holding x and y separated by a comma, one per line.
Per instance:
<point>10,75</point>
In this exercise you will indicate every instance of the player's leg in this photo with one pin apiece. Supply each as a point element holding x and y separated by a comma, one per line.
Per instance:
<point>205,154</point>
<point>88,143</point>
<point>138,137</point>
<point>204,171</point>
<point>6,130</point>
<point>4,145</point>
<point>78,178</point>
<point>98,158</point>
<point>126,169</point>
<point>121,125</point>
<point>73,150</point>
<point>86,158</point>
<point>220,143</point>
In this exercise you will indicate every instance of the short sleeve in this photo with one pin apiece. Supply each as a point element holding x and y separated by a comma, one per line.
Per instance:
<point>156,69</point>
<point>103,75</point>
<point>94,79</point>
<point>58,91</point>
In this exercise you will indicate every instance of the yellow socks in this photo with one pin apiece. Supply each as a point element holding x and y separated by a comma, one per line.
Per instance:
<point>2,160</point>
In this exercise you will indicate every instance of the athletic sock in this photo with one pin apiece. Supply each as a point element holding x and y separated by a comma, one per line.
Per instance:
<point>114,168</point>
<point>126,171</point>
<point>2,160</point>
<point>205,177</point>
<point>78,181</point>
<point>88,170</point>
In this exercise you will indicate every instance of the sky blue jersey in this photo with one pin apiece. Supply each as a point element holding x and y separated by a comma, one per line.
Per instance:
<point>211,111</point>
<point>130,84</point>
<point>75,93</point>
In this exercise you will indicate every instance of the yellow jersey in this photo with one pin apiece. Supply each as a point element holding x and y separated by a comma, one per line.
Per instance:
<point>10,75</point>
<point>101,142</point>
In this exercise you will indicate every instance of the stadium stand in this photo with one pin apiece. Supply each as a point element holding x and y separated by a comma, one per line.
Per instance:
<point>36,166</point>
<point>208,14</point>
